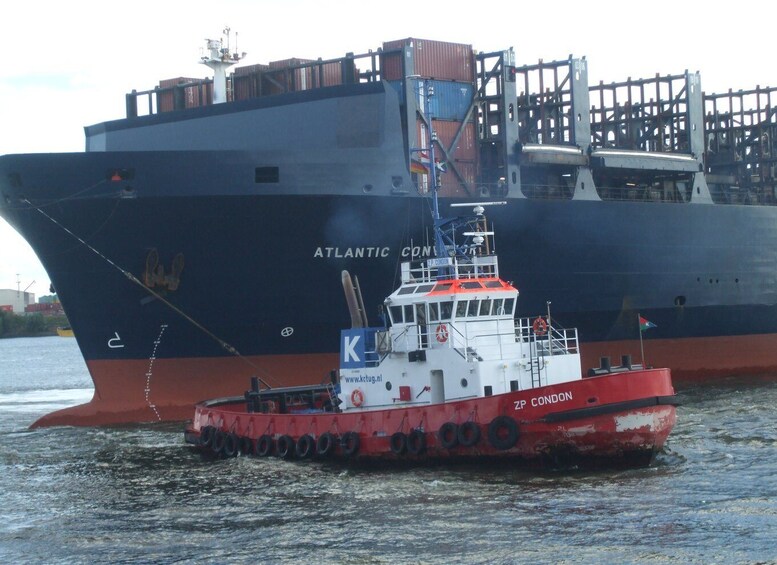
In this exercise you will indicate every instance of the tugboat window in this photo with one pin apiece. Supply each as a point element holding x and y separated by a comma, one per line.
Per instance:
<point>498,309</point>
<point>485,307</point>
<point>396,314</point>
<point>434,312</point>
<point>409,314</point>
<point>509,303</point>
<point>473,308</point>
<point>492,284</point>
<point>446,309</point>
<point>266,175</point>
<point>461,309</point>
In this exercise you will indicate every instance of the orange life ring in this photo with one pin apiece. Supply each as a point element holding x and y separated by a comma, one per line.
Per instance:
<point>540,326</point>
<point>442,333</point>
<point>357,397</point>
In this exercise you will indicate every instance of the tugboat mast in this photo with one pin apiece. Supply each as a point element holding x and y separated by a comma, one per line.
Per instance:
<point>439,243</point>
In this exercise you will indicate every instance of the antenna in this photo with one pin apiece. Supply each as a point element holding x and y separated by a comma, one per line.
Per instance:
<point>220,59</point>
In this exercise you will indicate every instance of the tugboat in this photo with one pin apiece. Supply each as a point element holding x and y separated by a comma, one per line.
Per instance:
<point>452,375</point>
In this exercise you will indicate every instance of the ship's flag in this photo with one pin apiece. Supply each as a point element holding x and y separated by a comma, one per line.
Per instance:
<point>645,324</point>
<point>418,167</point>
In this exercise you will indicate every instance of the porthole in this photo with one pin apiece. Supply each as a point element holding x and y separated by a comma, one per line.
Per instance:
<point>679,300</point>
<point>388,385</point>
<point>367,188</point>
<point>464,383</point>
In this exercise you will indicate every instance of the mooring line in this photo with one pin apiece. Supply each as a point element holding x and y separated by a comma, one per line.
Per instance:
<point>229,348</point>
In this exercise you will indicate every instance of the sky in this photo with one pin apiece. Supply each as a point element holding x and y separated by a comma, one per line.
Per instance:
<point>69,64</point>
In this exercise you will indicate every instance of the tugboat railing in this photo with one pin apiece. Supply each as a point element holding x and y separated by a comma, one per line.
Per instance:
<point>554,341</point>
<point>432,270</point>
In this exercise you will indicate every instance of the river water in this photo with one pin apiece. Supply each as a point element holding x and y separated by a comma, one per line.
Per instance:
<point>138,494</point>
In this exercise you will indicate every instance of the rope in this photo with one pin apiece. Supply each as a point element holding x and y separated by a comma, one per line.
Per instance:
<point>132,278</point>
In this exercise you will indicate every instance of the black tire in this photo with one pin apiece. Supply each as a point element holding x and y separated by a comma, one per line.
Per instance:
<point>416,442</point>
<point>231,445</point>
<point>246,446</point>
<point>325,444</point>
<point>350,443</point>
<point>469,434</point>
<point>264,446</point>
<point>206,436</point>
<point>285,447</point>
<point>503,432</point>
<point>219,439</point>
<point>398,443</point>
<point>306,446</point>
<point>448,435</point>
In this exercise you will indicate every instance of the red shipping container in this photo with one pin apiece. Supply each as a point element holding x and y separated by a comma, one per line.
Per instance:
<point>466,148</point>
<point>464,157</point>
<point>432,59</point>
<point>192,94</point>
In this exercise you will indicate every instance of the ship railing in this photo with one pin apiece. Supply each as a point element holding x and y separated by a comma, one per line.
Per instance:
<point>552,339</point>
<point>432,270</point>
<point>467,345</point>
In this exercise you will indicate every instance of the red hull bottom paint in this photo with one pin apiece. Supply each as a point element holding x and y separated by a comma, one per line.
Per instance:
<point>694,359</point>
<point>176,385</point>
<point>127,392</point>
<point>618,419</point>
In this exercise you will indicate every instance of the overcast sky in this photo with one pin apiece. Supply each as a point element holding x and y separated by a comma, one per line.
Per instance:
<point>69,64</point>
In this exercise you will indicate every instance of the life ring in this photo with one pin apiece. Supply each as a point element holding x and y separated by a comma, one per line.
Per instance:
<point>503,432</point>
<point>442,333</point>
<point>285,447</point>
<point>469,434</point>
<point>357,397</point>
<point>305,447</point>
<point>264,445</point>
<point>398,443</point>
<point>540,326</point>
<point>448,435</point>
<point>416,442</point>
<point>350,443</point>
<point>325,444</point>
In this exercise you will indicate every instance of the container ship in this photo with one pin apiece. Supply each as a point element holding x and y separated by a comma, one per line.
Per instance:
<point>200,240</point>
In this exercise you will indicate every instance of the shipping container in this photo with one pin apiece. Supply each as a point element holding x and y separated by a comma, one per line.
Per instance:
<point>198,94</point>
<point>462,162</point>
<point>432,59</point>
<point>466,148</point>
<point>247,82</point>
<point>451,100</point>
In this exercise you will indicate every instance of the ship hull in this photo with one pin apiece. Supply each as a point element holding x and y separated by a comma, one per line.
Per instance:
<point>619,420</point>
<point>707,285</point>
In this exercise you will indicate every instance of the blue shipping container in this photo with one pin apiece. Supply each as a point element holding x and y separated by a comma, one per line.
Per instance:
<point>451,100</point>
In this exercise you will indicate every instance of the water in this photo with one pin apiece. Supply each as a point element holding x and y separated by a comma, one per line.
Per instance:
<point>137,494</point>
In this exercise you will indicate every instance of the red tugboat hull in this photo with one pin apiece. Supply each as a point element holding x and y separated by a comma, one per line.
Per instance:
<point>618,419</point>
